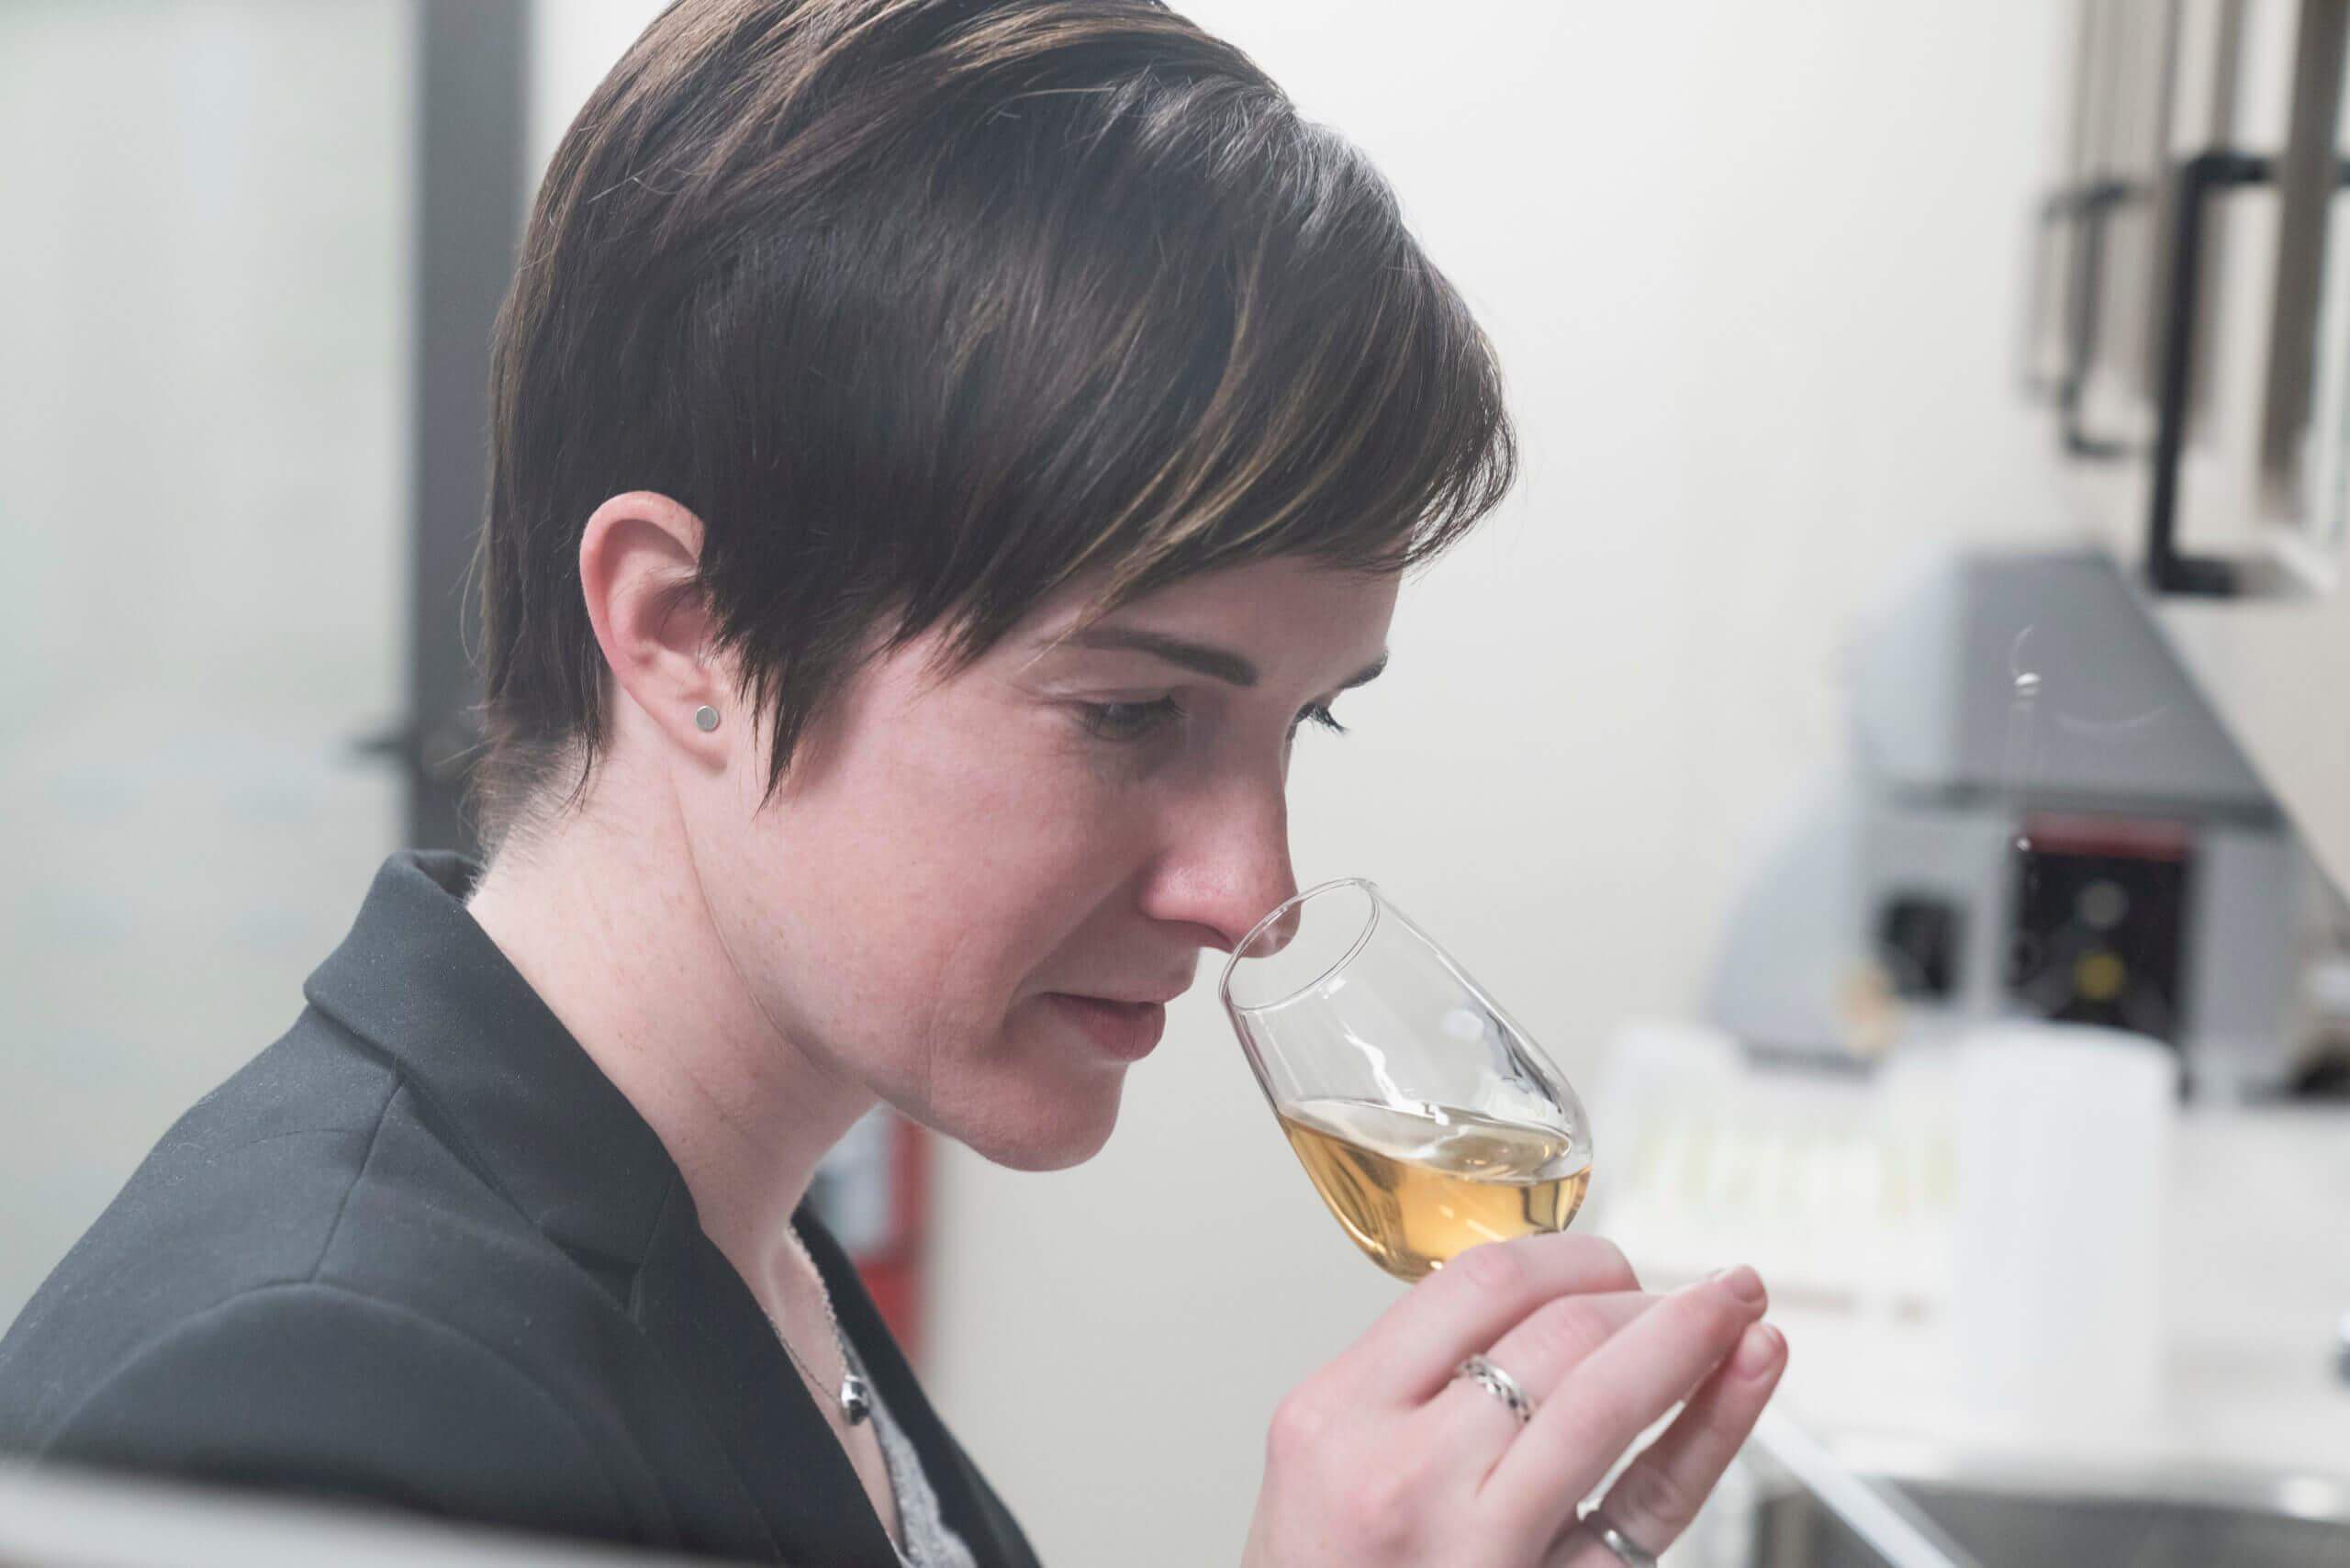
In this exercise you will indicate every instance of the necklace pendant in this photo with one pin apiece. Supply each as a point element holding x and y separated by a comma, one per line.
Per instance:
<point>857,1399</point>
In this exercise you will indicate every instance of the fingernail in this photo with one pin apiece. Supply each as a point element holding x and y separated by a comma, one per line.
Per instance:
<point>1743,1283</point>
<point>1759,1350</point>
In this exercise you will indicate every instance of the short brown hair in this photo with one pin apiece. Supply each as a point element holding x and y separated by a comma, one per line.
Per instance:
<point>924,308</point>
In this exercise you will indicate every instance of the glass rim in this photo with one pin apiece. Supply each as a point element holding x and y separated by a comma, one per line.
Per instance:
<point>1362,939</point>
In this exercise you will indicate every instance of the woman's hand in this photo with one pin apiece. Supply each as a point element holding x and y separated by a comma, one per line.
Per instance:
<point>1383,1459</point>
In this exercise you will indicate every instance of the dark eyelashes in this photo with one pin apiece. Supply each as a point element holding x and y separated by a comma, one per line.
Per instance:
<point>1118,722</point>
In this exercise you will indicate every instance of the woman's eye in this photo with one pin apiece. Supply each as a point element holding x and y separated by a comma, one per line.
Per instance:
<point>1127,721</point>
<point>1134,720</point>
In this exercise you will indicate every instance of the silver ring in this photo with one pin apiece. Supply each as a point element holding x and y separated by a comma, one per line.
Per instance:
<point>1498,1384</point>
<point>1613,1539</point>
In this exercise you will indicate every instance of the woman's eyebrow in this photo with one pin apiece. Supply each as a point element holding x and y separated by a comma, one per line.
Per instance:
<point>1220,664</point>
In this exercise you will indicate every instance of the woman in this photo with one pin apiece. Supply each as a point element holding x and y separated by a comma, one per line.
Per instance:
<point>943,452</point>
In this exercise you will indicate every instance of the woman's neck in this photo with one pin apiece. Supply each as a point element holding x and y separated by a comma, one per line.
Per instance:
<point>612,931</point>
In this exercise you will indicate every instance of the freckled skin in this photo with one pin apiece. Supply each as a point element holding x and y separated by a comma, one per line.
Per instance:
<point>946,854</point>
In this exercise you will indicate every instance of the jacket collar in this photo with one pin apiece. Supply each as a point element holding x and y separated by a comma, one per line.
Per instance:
<point>421,981</point>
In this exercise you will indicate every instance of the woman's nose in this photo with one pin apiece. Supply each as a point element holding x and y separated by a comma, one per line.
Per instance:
<point>1227,868</point>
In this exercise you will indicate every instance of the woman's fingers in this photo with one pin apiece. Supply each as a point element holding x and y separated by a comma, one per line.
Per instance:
<point>1660,1492</point>
<point>1615,1395</point>
<point>1542,1350</point>
<point>1409,1353</point>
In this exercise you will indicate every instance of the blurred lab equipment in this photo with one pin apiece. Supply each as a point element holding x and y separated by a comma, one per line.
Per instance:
<point>1994,1082</point>
<point>90,1518</point>
<point>2039,1311</point>
<point>2066,1137</point>
<point>2040,817</point>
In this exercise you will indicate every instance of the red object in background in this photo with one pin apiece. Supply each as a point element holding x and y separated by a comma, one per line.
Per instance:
<point>872,1191</point>
<point>2135,839</point>
<point>894,1274</point>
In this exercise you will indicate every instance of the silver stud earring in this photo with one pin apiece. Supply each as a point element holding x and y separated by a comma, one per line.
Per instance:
<point>705,718</point>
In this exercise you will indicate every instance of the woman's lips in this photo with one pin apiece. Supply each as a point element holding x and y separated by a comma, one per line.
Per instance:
<point>1126,1030</point>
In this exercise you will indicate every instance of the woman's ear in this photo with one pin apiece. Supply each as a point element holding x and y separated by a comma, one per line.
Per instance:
<point>639,558</point>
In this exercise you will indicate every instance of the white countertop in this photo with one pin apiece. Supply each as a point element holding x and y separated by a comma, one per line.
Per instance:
<point>2257,1261</point>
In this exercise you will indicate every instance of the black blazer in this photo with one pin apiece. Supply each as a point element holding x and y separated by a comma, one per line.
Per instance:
<point>421,1251</point>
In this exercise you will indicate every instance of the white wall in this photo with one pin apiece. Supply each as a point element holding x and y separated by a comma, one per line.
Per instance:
<point>203,384</point>
<point>1754,272</point>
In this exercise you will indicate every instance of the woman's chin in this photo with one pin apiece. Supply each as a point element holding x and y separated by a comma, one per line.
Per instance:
<point>1046,1132</point>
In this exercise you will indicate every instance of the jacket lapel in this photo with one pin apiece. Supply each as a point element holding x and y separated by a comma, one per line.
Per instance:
<point>965,1500</point>
<point>705,1323</point>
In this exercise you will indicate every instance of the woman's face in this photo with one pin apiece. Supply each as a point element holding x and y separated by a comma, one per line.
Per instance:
<point>974,895</point>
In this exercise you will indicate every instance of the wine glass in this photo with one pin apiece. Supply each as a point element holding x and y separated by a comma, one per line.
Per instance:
<point>1427,1119</point>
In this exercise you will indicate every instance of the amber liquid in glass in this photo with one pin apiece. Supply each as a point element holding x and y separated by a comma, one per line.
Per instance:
<point>1415,1187</point>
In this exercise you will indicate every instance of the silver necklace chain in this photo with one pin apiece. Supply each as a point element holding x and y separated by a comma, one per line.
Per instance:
<point>855,1396</point>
